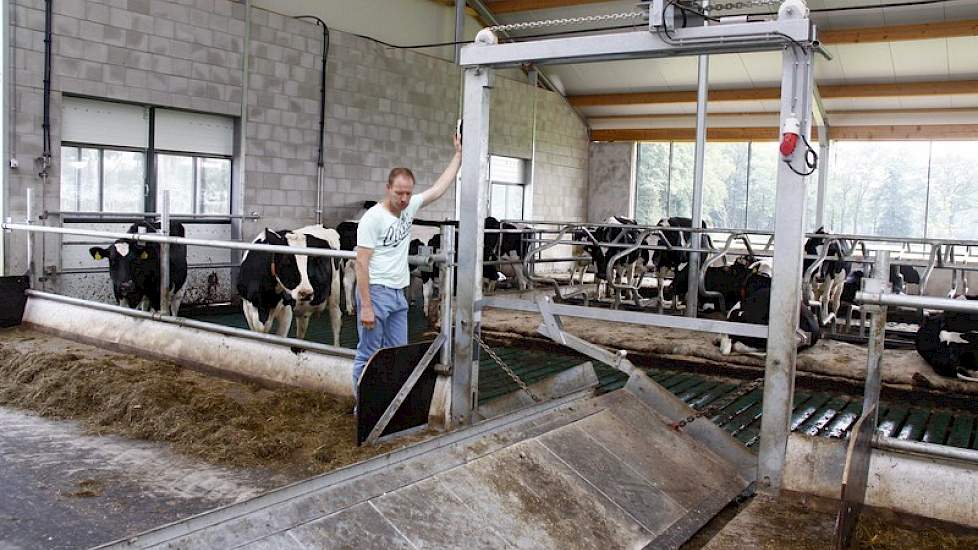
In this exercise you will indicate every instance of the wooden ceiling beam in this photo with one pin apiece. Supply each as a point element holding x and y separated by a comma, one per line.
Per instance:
<point>906,132</point>
<point>838,91</point>
<point>898,33</point>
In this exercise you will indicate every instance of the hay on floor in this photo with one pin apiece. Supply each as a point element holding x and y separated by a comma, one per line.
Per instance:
<point>217,420</point>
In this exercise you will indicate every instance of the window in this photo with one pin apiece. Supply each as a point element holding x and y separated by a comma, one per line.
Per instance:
<point>197,185</point>
<point>101,179</point>
<point>951,210</point>
<point>106,146</point>
<point>739,182</point>
<point>507,187</point>
<point>878,188</point>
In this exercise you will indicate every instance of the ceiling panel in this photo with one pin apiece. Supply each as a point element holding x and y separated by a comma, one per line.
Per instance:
<point>828,71</point>
<point>962,57</point>
<point>920,60</point>
<point>964,100</point>
<point>679,72</point>
<point>763,68</point>
<point>926,102</point>
<point>866,62</point>
<point>908,15</point>
<point>728,70</point>
<point>960,10</point>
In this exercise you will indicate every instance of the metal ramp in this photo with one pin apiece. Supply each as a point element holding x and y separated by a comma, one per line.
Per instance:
<point>581,472</point>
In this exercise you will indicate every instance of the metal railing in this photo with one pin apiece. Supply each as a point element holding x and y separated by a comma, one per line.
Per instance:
<point>165,240</point>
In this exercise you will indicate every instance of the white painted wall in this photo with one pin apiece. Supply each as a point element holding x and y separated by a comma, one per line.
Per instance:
<point>399,22</point>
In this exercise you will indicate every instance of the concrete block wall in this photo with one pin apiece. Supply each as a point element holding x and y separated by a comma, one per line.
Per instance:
<point>385,108</point>
<point>610,174</point>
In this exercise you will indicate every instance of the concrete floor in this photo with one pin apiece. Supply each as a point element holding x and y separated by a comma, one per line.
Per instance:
<point>65,489</point>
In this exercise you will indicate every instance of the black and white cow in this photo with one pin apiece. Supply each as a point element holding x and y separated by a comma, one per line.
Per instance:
<point>432,279</point>
<point>674,260</point>
<point>949,343</point>
<point>754,308</point>
<point>829,279</point>
<point>348,241</point>
<point>134,268</point>
<point>627,270</point>
<point>275,287</point>
<point>728,280</point>
<point>506,246</point>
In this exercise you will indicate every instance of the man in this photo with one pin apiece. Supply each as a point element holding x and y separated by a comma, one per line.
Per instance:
<point>383,237</point>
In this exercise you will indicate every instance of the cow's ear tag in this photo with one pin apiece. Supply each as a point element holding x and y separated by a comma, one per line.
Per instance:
<point>98,256</point>
<point>144,255</point>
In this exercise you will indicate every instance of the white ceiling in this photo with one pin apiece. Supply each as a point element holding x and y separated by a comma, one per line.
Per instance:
<point>894,62</point>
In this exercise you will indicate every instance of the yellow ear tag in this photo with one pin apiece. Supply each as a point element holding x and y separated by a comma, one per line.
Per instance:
<point>144,255</point>
<point>98,256</point>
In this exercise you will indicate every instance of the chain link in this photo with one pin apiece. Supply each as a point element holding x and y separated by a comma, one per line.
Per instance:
<point>568,21</point>
<point>713,7</point>
<point>714,409</point>
<point>506,368</point>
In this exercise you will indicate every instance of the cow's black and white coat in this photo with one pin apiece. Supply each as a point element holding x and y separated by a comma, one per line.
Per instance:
<point>348,241</point>
<point>728,280</point>
<point>277,287</point>
<point>949,343</point>
<point>829,280</point>
<point>505,246</point>
<point>134,268</point>
<point>627,270</point>
<point>754,308</point>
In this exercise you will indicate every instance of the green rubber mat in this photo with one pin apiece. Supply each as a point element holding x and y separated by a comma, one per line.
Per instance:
<point>815,413</point>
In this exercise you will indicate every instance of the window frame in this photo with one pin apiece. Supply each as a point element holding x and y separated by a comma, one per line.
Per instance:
<point>101,172</point>
<point>194,173</point>
<point>526,166</point>
<point>150,186</point>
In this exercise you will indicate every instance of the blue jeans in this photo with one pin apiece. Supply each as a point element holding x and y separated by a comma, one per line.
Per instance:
<point>390,330</point>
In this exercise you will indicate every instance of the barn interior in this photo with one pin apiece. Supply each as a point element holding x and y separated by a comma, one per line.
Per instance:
<point>702,280</point>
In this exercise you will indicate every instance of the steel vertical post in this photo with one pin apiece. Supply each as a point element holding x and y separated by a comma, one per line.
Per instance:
<point>447,294</point>
<point>779,376</point>
<point>475,182</point>
<point>165,255</point>
<point>459,27</point>
<point>880,283</point>
<point>823,176</point>
<point>29,206</point>
<point>693,268</point>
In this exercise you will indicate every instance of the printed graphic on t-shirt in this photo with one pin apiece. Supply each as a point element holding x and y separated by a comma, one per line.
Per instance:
<point>397,232</point>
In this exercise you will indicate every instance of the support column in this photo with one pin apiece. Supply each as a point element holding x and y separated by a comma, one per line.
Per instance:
<point>693,267</point>
<point>472,193</point>
<point>823,176</point>
<point>459,27</point>
<point>779,376</point>
<point>879,283</point>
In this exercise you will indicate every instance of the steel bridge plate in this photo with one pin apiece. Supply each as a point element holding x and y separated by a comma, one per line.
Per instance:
<point>581,472</point>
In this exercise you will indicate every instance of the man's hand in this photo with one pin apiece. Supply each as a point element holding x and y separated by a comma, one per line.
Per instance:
<point>458,142</point>
<point>367,317</point>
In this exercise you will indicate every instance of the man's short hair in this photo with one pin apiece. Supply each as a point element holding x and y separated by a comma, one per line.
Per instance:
<point>397,172</point>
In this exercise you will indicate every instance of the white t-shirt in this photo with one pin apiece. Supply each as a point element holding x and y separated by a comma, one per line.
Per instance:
<point>389,237</point>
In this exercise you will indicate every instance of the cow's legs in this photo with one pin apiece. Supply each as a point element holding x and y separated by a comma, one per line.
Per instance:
<point>301,325</point>
<point>837,288</point>
<point>251,316</point>
<point>349,284</point>
<point>427,288</point>
<point>175,299</point>
<point>283,314</point>
<point>521,281</point>
<point>333,304</point>
<point>726,344</point>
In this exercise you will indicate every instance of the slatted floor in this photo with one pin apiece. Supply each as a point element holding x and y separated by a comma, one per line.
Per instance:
<point>816,413</point>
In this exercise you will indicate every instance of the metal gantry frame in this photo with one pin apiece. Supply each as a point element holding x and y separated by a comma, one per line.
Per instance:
<point>795,35</point>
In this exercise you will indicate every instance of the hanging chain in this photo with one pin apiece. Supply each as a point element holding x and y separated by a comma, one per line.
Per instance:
<point>569,21</point>
<point>506,368</point>
<point>714,7</point>
<point>714,409</point>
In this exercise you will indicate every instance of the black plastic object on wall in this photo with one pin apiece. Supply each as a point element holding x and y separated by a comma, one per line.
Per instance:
<point>382,378</point>
<point>12,300</point>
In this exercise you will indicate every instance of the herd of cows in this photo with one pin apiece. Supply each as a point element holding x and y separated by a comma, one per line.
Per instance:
<point>276,289</point>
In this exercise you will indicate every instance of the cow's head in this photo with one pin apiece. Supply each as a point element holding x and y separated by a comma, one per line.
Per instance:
<point>129,263</point>
<point>298,275</point>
